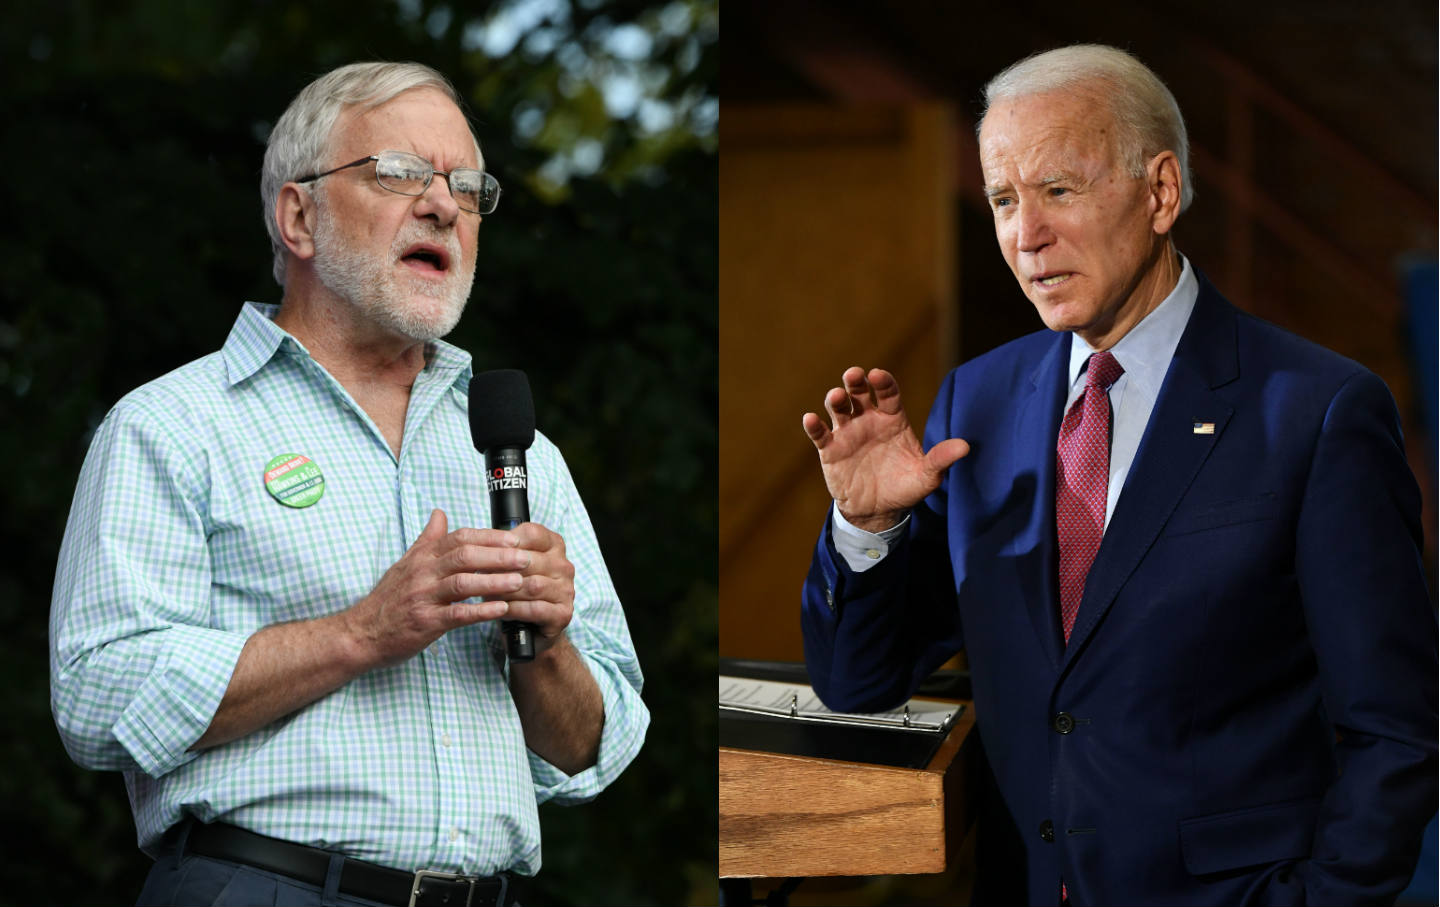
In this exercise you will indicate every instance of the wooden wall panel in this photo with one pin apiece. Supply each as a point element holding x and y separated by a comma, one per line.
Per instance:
<point>837,248</point>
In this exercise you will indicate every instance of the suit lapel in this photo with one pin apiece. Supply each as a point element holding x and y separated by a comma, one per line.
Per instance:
<point>1169,457</point>
<point>1036,428</point>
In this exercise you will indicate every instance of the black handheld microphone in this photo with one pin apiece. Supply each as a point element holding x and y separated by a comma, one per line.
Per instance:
<point>502,426</point>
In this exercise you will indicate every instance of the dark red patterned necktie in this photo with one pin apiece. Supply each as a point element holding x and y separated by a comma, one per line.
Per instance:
<point>1082,480</point>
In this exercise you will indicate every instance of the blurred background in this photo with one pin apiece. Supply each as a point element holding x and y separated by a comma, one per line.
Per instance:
<point>853,231</point>
<point>135,131</point>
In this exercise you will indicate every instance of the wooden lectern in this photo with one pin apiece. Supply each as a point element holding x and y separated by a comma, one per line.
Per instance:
<point>787,816</point>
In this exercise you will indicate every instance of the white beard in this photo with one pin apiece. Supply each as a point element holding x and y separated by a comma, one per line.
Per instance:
<point>411,305</point>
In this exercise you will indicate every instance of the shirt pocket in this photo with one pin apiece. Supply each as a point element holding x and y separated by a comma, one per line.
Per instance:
<point>1248,837</point>
<point>1225,513</point>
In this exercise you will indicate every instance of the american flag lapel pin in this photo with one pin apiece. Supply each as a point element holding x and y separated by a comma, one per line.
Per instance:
<point>1204,428</point>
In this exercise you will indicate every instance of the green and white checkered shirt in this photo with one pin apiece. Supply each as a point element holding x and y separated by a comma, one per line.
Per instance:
<point>176,552</point>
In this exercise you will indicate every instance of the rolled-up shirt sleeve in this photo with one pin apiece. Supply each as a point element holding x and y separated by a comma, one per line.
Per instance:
<point>598,631</point>
<point>137,672</point>
<point>626,720</point>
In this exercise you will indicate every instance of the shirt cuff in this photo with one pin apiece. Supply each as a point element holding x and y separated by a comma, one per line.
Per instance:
<point>626,720</point>
<point>861,549</point>
<point>177,701</point>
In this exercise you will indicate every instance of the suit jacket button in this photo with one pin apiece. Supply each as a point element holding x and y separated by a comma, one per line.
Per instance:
<point>1063,723</point>
<point>1047,830</point>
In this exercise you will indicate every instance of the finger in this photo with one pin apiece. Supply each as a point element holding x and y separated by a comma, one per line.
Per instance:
<point>463,614</point>
<point>558,589</point>
<point>815,428</point>
<point>839,406</point>
<point>485,559</point>
<point>535,537</point>
<point>857,385</point>
<point>551,562</point>
<point>434,529</point>
<point>550,617</point>
<point>945,454</point>
<point>485,538</point>
<point>886,390</point>
<point>496,586</point>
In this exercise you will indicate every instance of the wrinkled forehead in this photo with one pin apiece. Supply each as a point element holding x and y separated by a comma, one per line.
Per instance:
<point>422,120</point>
<point>1062,131</point>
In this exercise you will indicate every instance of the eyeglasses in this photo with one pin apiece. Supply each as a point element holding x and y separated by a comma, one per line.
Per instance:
<point>409,174</point>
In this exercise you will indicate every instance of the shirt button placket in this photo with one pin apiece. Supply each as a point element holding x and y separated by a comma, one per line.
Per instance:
<point>449,766</point>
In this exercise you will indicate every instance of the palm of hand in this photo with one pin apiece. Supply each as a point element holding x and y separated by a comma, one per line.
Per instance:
<point>875,466</point>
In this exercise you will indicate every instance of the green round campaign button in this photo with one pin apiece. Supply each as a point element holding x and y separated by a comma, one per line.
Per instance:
<point>294,480</point>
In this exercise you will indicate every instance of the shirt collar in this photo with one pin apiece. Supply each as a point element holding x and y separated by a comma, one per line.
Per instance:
<point>1146,349</point>
<point>255,339</point>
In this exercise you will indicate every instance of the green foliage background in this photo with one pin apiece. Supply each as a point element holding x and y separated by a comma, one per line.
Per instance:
<point>133,137</point>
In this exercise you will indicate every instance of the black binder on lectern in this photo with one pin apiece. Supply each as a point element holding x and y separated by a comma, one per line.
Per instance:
<point>902,747</point>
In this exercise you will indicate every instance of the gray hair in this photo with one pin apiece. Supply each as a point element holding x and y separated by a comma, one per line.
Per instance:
<point>301,137</point>
<point>1147,117</point>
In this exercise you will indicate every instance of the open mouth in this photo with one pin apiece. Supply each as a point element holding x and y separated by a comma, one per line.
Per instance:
<point>1051,280</point>
<point>427,258</point>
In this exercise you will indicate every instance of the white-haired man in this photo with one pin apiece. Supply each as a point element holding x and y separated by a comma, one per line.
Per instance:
<point>304,682</point>
<point>1179,546</point>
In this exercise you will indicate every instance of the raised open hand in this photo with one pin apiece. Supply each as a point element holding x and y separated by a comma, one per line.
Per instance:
<point>874,465</point>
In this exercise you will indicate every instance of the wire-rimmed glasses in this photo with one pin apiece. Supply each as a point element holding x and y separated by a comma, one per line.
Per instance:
<point>409,174</point>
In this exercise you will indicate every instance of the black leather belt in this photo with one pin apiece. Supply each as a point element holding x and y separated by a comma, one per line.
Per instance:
<point>357,877</point>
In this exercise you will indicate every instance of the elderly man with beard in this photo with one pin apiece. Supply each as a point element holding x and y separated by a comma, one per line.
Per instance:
<point>304,683</point>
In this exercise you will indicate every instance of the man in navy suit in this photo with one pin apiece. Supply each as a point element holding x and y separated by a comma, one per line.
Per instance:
<point>1179,546</point>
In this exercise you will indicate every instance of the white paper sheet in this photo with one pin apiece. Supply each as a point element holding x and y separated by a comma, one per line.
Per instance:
<point>790,700</point>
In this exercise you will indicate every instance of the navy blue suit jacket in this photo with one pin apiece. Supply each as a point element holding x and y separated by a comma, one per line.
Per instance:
<point>1246,710</point>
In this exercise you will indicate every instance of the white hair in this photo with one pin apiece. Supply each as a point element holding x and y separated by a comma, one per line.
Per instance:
<point>300,141</point>
<point>1146,115</point>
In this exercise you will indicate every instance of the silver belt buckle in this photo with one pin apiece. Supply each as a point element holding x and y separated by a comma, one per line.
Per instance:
<point>449,876</point>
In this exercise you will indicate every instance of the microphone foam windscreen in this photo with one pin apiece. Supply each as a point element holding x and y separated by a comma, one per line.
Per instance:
<point>501,411</point>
